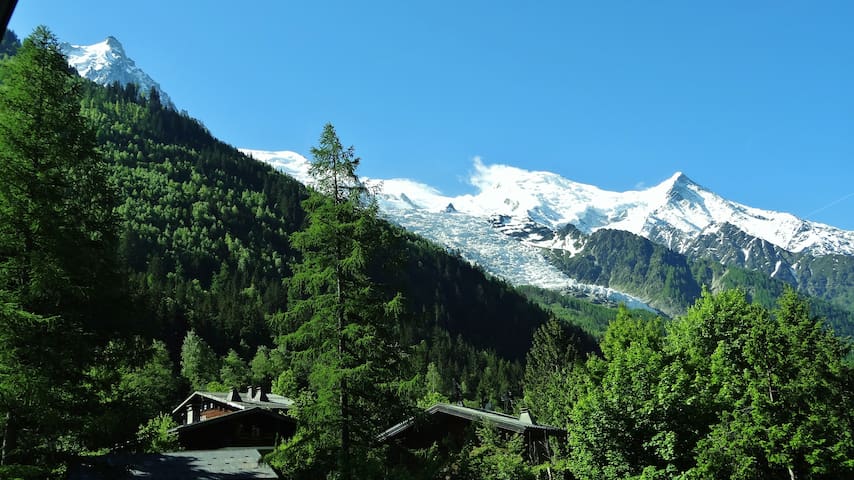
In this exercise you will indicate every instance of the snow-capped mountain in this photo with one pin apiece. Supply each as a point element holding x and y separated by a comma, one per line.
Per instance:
<point>515,215</point>
<point>674,213</point>
<point>106,62</point>
<point>474,237</point>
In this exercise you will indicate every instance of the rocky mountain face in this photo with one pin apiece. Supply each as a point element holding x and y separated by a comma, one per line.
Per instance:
<point>106,62</point>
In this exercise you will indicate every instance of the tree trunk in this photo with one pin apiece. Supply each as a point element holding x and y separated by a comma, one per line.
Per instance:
<point>339,313</point>
<point>9,440</point>
<point>345,419</point>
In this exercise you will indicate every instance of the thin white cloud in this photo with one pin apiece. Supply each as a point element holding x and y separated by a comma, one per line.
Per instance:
<point>831,204</point>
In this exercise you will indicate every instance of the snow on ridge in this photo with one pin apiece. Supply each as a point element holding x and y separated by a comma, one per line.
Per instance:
<point>106,62</point>
<point>677,202</point>
<point>419,195</point>
<point>677,209</point>
<point>423,210</point>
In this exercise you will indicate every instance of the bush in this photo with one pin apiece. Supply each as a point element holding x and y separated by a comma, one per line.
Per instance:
<point>155,435</point>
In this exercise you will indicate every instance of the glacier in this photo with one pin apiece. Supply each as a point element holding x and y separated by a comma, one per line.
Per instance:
<point>422,209</point>
<point>513,215</point>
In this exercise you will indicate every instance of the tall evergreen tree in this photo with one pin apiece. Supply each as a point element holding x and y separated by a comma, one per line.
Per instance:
<point>57,239</point>
<point>199,363</point>
<point>340,326</point>
<point>549,366</point>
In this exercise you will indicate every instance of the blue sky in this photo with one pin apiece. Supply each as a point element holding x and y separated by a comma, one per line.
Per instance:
<point>754,100</point>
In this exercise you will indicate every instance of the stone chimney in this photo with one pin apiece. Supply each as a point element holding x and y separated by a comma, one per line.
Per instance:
<point>525,416</point>
<point>260,396</point>
<point>233,396</point>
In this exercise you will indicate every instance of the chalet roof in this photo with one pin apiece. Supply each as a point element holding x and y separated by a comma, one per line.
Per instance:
<point>231,416</point>
<point>224,463</point>
<point>520,424</point>
<point>274,402</point>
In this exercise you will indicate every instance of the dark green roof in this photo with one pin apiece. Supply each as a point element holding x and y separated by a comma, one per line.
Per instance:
<point>502,421</point>
<point>275,402</point>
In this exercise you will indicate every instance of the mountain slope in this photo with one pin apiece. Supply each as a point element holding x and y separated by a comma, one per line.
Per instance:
<point>205,235</point>
<point>479,240</point>
<point>517,217</point>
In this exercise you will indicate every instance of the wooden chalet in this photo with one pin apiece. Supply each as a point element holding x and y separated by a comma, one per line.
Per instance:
<point>211,420</point>
<point>449,426</point>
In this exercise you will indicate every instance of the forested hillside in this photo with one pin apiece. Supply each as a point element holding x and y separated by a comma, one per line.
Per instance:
<point>730,390</point>
<point>205,233</point>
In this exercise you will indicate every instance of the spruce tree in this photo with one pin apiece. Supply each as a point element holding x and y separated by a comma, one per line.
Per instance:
<point>57,244</point>
<point>340,327</point>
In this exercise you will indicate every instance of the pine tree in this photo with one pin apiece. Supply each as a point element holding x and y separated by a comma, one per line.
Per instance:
<point>549,369</point>
<point>340,325</point>
<point>57,250</point>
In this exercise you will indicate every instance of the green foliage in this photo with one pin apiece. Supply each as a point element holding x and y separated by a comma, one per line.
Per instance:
<point>732,391</point>
<point>60,287</point>
<point>234,372</point>
<point>616,427</point>
<point>153,384</point>
<point>340,325</point>
<point>204,228</point>
<point>25,472</point>
<point>199,364</point>
<point>56,207</point>
<point>496,457</point>
<point>789,403</point>
<point>155,436</point>
<point>262,367</point>
<point>549,370</point>
<point>134,381</point>
<point>9,44</point>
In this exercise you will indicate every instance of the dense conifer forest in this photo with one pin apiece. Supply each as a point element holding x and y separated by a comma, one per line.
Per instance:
<point>142,259</point>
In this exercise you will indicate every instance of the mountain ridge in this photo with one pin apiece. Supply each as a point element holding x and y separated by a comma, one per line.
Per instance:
<point>517,216</point>
<point>106,62</point>
<point>554,201</point>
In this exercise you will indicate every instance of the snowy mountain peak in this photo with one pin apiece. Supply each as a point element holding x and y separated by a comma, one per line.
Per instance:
<point>114,44</point>
<point>106,62</point>
<point>680,180</point>
<point>674,213</point>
